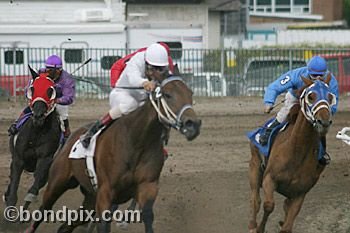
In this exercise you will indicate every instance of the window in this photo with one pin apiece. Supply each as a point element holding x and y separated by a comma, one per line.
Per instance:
<point>263,2</point>
<point>175,49</point>
<point>283,2</point>
<point>289,6</point>
<point>73,55</point>
<point>260,73</point>
<point>108,61</point>
<point>233,22</point>
<point>9,57</point>
<point>301,2</point>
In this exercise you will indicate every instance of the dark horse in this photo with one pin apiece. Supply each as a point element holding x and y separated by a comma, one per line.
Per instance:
<point>128,157</point>
<point>38,139</point>
<point>292,168</point>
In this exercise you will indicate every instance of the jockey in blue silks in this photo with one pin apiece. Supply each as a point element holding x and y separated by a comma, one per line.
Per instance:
<point>290,81</point>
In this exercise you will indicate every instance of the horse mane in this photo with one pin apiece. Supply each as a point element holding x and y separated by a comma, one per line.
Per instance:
<point>294,111</point>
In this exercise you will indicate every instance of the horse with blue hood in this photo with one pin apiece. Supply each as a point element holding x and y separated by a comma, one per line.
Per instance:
<point>291,81</point>
<point>294,163</point>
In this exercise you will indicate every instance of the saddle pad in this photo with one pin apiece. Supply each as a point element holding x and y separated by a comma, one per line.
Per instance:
<point>23,120</point>
<point>78,151</point>
<point>254,136</point>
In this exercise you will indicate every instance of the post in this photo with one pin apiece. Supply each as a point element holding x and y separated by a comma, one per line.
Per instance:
<point>14,71</point>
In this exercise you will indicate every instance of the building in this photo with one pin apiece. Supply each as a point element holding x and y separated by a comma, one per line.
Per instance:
<point>287,11</point>
<point>272,22</point>
<point>205,24</point>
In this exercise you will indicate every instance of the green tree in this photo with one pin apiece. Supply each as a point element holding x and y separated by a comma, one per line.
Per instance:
<point>347,11</point>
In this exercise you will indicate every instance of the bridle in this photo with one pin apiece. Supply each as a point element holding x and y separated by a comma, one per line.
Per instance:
<point>309,109</point>
<point>50,102</point>
<point>169,118</point>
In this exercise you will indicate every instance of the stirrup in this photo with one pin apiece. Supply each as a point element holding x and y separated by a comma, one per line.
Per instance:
<point>12,130</point>
<point>264,139</point>
<point>85,140</point>
<point>326,159</point>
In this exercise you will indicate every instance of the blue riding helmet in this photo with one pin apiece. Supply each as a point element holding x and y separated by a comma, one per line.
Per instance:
<point>53,61</point>
<point>317,66</point>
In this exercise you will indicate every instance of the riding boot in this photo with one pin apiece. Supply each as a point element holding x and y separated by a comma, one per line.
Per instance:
<point>67,132</point>
<point>325,157</point>
<point>264,138</point>
<point>86,138</point>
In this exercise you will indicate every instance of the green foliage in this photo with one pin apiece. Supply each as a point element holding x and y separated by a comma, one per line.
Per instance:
<point>212,61</point>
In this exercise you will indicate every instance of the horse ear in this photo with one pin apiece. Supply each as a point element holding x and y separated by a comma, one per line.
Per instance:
<point>176,70</point>
<point>33,72</point>
<point>328,78</point>
<point>307,81</point>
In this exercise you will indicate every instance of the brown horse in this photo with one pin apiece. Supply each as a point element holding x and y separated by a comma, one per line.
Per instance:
<point>128,157</point>
<point>292,168</point>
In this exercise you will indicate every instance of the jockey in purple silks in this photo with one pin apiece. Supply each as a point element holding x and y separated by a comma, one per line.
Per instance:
<point>65,92</point>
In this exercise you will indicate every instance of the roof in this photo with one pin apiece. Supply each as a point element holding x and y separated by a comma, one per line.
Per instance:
<point>225,5</point>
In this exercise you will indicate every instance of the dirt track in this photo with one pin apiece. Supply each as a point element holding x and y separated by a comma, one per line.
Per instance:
<point>204,185</point>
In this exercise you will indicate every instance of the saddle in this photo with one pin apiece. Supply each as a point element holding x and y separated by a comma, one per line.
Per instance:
<point>254,137</point>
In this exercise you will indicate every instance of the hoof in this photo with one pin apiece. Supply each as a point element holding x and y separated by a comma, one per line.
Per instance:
<point>252,230</point>
<point>122,225</point>
<point>31,197</point>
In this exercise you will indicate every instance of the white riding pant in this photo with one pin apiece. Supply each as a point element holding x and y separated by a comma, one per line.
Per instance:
<point>124,101</point>
<point>289,101</point>
<point>62,111</point>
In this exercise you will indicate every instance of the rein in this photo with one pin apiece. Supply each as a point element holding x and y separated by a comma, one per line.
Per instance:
<point>169,118</point>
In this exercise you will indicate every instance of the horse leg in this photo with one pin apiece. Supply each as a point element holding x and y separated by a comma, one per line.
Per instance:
<point>60,180</point>
<point>17,167</point>
<point>294,207</point>
<point>147,193</point>
<point>125,222</point>
<point>286,205</point>
<point>255,176</point>
<point>269,204</point>
<point>103,203</point>
<point>40,179</point>
<point>88,206</point>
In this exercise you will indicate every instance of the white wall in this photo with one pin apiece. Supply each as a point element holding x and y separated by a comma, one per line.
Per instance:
<point>168,18</point>
<point>52,11</point>
<point>288,37</point>
<point>295,37</point>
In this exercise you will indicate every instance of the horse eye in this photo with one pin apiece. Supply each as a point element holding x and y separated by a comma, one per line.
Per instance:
<point>49,92</point>
<point>310,98</point>
<point>330,98</point>
<point>166,95</point>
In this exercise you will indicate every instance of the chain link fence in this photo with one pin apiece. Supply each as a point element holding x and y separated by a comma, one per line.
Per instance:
<point>227,72</point>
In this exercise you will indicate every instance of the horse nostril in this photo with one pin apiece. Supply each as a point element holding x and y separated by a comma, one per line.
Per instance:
<point>325,123</point>
<point>189,124</point>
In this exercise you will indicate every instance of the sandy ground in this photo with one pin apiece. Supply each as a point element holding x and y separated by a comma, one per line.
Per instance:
<point>204,184</point>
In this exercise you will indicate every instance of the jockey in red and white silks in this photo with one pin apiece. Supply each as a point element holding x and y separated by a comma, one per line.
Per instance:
<point>130,90</point>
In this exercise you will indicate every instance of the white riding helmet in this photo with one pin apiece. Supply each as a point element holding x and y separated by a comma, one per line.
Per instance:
<point>156,55</point>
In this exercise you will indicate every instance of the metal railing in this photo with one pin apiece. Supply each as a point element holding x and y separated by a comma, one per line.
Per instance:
<point>227,72</point>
